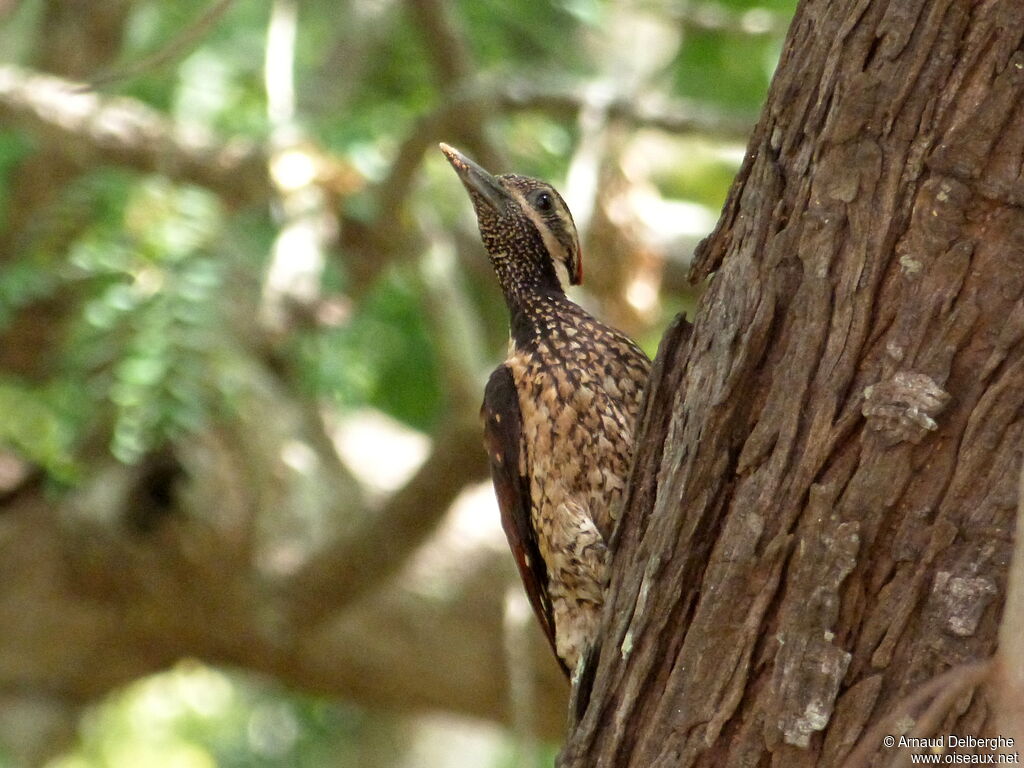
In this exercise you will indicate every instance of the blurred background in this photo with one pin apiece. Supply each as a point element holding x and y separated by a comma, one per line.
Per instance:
<point>245,322</point>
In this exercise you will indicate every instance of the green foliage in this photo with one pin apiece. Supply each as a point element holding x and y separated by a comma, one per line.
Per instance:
<point>704,173</point>
<point>743,85</point>
<point>194,716</point>
<point>13,148</point>
<point>218,75</point>
<point>382,357</point>
<point>17,29</point>
<point>146,342</point>
<point>150,319</point>
<point>529,36</point>
<point>36,426</point>
<point>742,64</point>
<point>540,757</point>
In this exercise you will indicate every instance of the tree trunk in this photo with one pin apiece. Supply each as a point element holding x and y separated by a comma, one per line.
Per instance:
<point>820,514</point>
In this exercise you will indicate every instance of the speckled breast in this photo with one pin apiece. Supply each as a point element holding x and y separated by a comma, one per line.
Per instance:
<point>579,392</point>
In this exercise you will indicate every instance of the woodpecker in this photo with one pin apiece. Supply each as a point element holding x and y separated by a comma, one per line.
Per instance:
<point>559,413</point>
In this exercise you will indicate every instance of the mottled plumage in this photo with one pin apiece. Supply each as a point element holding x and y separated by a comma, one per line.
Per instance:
<point>559,413</point>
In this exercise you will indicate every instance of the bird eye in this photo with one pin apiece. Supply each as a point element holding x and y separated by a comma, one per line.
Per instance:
<point>544,202</point>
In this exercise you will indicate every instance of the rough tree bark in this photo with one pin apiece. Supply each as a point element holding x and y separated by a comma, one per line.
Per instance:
<point>821,511</point>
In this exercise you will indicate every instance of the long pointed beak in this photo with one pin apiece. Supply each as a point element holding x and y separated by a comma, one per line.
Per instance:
<point>476,180</point>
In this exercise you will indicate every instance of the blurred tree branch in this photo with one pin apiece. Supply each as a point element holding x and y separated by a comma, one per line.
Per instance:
<point>453,67</point>
<point>171,51</point>
<point>74,39</point>
<point>95,129</point>
<point>715,17</point>
<point>131,603</point>
<point>389,236</point>
<point>360,561</point>
<point>102,129</point>
<point>559,102</point>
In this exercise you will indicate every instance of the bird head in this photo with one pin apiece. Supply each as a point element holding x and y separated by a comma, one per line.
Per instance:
<point>525,225</point>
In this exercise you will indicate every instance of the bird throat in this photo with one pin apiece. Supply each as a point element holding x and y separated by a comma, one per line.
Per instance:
<point>524,278</point>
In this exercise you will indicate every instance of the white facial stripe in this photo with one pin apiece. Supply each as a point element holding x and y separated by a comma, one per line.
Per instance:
<point>560,253</point>
<point>562,273</point>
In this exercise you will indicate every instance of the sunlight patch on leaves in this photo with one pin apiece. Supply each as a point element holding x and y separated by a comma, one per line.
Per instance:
<point>34,427</point>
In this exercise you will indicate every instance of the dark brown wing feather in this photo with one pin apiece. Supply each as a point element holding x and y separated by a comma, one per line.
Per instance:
<point>503,428</point>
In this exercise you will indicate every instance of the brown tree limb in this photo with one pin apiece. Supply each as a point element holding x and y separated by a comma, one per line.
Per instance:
<point>453,67</point>
<point>90,605</point>
<point>388,236</point>
<point>72,39</point>
<point>96,129</point>
<point>103,129</point>
<point>443,42</point>
<point>363,558</point>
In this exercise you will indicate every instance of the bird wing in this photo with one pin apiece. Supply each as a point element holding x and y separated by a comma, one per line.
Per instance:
<point>503,438</point>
